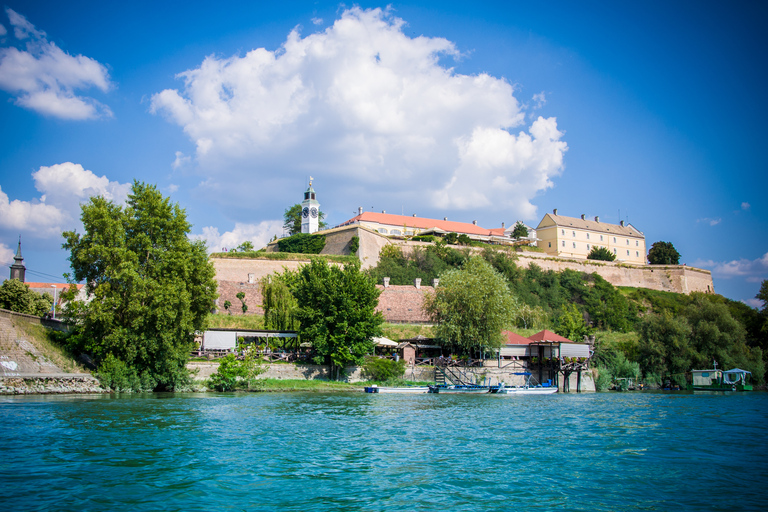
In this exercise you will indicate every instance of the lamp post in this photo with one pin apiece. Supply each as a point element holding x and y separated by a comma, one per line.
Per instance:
<point>54,301</point>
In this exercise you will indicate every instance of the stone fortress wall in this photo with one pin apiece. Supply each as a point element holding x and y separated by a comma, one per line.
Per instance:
<point>243,274</point>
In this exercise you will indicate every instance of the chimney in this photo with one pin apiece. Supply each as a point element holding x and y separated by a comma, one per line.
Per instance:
<point>435,282</point>
<point>502,225</point>
<point>474,223</point>
<point>554,211</point>
<point>582,216</point>
<point>383,211</point>
<point>622,223</point>
<point>445,218</point>
<point>414,214</point>
<point>597,219</point>
<point>359,210</point>
<point>386,282</point>
<point>417,283</point>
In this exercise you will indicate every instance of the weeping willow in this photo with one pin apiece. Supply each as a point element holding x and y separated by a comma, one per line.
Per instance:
<point>279,305</point>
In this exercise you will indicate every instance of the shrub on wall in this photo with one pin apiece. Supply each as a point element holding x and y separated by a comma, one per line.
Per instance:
<point>424,238</point>
<point>354,244</point>
<point>302,243</point>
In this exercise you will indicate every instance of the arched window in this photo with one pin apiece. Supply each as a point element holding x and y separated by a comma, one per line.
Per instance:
<point>383,231</point>
<point>395,232</point>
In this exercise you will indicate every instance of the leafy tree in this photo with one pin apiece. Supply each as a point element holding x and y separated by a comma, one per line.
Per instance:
<point>279,305</point>
<point>570,323</point>
<point>233,372</point>
<point>243,306</point>
<point>601,253</point>
<point>151,287</point>
<point>337,311</point>
<point>292,220</point>
<point>245,246</point>
<point>663,253</point>
<point>763,296</point>
<point>354,244</point>
<point>519,231</point>
<point>464,239</point>
<point>451,238</point>
<point>227,305</point>
<point>382,370</point>
<point>664,346</point>
<point>16,296</point>
<point>471,307</point>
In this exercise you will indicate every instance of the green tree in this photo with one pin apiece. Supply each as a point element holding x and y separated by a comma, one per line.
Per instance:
<point>233,372</point>
<point>665,347</point>
<point>151,287</point>
<point>337,311</point>
<point>227,305</point>
<point>570,323</point>
<point>519,231</point>
<point>16,296</point>
<point>471,307</point>
<point>464,239</point>
<point>243,305</point>
<point>279,305</point>
<point>601,253</point>
<point>663,253</point>
<point>292,220</point>
<point>451,238</point>
<point>245,246</point>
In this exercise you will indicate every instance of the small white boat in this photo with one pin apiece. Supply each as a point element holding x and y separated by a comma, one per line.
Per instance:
<point>529,388</point>
<point>404,389</point>
<point>458,389</point>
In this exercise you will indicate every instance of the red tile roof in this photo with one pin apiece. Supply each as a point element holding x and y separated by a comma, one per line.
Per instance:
<point>516,339</point>
<point>420,223</point>
<point>546,335</point>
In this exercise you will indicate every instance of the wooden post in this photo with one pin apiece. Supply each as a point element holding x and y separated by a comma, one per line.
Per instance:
<point>578,381</point>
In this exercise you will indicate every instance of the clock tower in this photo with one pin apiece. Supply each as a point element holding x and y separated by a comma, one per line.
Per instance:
<point>310,211</point>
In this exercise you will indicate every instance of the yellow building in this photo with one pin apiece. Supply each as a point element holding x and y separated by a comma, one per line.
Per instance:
<point>572,237</point>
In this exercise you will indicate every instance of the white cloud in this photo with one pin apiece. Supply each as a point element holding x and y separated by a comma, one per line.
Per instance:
<point>44,78</point>
<point>745,206</point>
<point>366,109</point>
<point>172,188</point>
<point>753,270</point>
<point>3,30</point>
<point>260,234</point>
<point>180,161</point>
<point>63,188</point>
<point>755,303</point>
<point>6,255</point>
<point>317,21</point>
<point>711,222</point>
<point>540,100</point>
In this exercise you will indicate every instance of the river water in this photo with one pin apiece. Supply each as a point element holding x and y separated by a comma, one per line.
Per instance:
<point>352,451</point>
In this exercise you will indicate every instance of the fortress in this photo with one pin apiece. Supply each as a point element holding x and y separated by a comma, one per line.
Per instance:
<point>401,304</point>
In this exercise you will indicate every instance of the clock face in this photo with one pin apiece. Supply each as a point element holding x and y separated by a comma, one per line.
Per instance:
<point>305,212</point>
<point>313,212</point>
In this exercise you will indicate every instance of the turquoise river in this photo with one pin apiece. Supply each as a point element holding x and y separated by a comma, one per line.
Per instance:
<point>353,451</point>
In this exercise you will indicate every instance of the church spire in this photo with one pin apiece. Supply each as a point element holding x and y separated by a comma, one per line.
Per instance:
<point>18,270</point>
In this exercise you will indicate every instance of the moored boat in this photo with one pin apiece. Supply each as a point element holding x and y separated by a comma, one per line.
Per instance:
<point>403,389</point>
<point>530,387</point>
<point>465,389</point>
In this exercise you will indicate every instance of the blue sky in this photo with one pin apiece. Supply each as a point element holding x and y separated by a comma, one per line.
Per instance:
<point>648,112</point>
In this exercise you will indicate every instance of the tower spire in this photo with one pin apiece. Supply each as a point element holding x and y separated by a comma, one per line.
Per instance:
<point>18,270</point>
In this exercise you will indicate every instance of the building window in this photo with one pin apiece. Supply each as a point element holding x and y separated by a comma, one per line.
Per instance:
<point>563,243</point>
<point>395,232</point>
<point>574,245</point>
<point>601,238</point>
<point>574,234</point>
<point>637,254</point>
<point>637,243</point>
<point>627,252</point>
<point>562,231</point>
<point>587,246</point>
<point>409,233</point>
<point>383,231</point>
<point>614,251</point>
<point>614,239</point>
<point>627,241</point>
<point>550,245</point>
<point>587,236</point>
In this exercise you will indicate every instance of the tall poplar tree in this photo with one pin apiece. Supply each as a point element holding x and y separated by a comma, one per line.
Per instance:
<point>151,288</point>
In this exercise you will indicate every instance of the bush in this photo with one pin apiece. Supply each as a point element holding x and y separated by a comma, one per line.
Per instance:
<point>379,369</point>
<point>302,243</point>
<point>424,238</point>
<point>233,372</point>
<point>354,244</point>
<point>601,253</point>
<point>118,376</point>
<point>451,238</point>
<point>604,379</point>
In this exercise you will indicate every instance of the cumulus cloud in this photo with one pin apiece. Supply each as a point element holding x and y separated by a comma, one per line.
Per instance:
<point>317,21</point>
<point>260,234</point>
<point>6,254</point>
<point>63,188</point>
<point>180,161</point>
<point>540,100</point>
<point>753,270</point>
<point>3,30</point>
<point>44,78</point>
<point>367,110</point>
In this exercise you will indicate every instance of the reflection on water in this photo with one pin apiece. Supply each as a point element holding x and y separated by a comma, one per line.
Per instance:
<point>354,451</point>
